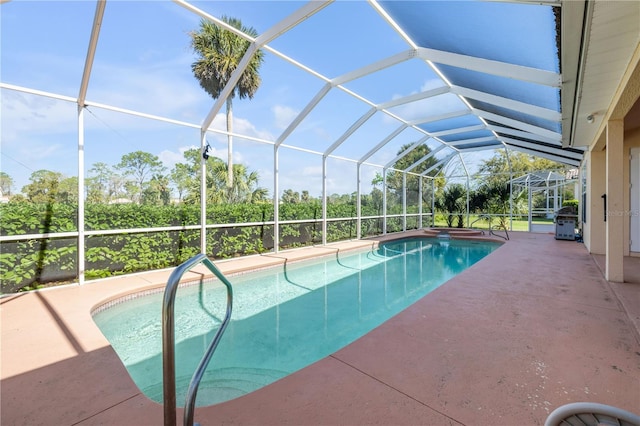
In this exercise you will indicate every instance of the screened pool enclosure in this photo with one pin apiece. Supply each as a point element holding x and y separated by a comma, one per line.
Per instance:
<point>116,160</point>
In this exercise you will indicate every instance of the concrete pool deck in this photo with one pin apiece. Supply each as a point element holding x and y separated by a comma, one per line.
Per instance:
<point>529,328</point>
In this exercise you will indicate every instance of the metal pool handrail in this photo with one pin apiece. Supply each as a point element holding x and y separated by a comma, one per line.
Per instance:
<point>491,228</point>
<point>168,342</point>
<point>491,231</point>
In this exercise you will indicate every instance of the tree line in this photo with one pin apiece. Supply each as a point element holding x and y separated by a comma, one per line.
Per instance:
<point>141,178</point>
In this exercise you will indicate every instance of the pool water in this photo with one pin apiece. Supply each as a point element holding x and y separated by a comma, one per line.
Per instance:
<point>283,318</point>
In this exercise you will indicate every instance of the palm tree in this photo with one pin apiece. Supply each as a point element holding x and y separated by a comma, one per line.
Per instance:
<point>452,203</point>
<point>244,188</point>
<point>220,51</point>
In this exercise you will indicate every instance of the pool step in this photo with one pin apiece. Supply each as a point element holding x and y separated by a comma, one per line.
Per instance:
<point>222,384</point>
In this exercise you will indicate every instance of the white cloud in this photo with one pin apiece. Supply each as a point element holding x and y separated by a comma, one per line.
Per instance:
<point>24,114</point>
<point>153,91</point>
<point>427,107</point>
<point>312,171</point>
<point>171,158</point>
<point>434,83</point>
<point>283,115</point>
<point>241,126</point>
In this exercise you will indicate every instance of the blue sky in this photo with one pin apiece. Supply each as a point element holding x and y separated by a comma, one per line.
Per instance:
<point>143,64</point>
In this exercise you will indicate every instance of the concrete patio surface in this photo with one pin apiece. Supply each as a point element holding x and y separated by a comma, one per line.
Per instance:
<point>531,327</point>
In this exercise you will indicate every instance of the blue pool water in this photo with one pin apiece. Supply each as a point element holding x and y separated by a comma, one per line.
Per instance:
<point>283,318</point>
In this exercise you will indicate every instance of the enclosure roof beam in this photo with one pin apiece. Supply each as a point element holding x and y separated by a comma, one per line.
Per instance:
<point>91,51</point>
<point>557,137</point>
<point>472,140</point>
<point>383,143</point>
<point>487,66</point>
<point>397,28</point>
<point>355,126</point>
<point>403,154</point>
<point>415,97</point>
<point>483,147</point>
<point>560,152</point>
<point>546,155</point>
<point>459,130</point>
<point>545,113</point>
<point>374,67</point>
<point>423,159</point>
<point>289,22</point>
<point>522,134</point>
<point>299,15</point>
<point>434,118</point>
<point>306,111</point>
<point>441,162</point>
<point>464,166</point>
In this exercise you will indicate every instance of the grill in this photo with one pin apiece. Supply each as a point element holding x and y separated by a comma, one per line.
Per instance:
<point>565,220</point>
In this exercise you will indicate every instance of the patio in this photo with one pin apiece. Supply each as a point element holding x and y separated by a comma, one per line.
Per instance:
<point>529,328</point>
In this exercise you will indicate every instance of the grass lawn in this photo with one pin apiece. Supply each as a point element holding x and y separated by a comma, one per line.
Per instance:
<point>519,223</point>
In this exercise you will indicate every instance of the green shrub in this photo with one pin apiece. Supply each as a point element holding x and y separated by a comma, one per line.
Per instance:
<point>36,262</point>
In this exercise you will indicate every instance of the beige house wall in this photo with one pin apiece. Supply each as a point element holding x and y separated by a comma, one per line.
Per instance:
<point>631,140</point>
<point>608,171</point>
<point>616,190</point>
<point>594,228</point>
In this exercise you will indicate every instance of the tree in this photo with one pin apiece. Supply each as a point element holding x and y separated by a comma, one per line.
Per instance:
<point>6,183</point>
<point>68,190</point>
<point>376,197</point>
<point>117,187</point>
<point>192,169</point>
<point>219,53</point>
<point>156,191</point>
<point>343,198</point>
<point>290,196</point>
<point>100,183</point>
<point>373,201</point>
<point>497,167</point>
<point>493,198</point>
<point>182,177</point>
<point>394,178</point>
<point>496,174</point>
<point>243,189</point>
<point>132,191</point>
<point>453,201</point>
<point>44,186</point>
<point>140,165</point>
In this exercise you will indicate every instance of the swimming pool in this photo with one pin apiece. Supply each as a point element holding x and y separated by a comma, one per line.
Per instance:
<point>284,318</point>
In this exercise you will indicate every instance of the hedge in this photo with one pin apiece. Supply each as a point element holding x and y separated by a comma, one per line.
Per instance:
<point>36,262</point>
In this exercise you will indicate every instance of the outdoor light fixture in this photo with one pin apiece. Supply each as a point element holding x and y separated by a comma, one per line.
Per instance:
<point>206,151</point>
<point>590,118</point>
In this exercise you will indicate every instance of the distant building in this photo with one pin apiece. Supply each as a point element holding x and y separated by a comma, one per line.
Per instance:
<point>121,201</point>
<point>3,198</point>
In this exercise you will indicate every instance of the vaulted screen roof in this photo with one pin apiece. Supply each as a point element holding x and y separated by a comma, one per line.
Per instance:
<point>494,73</point>
<point>358,80</point>
<point>501,59</point>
